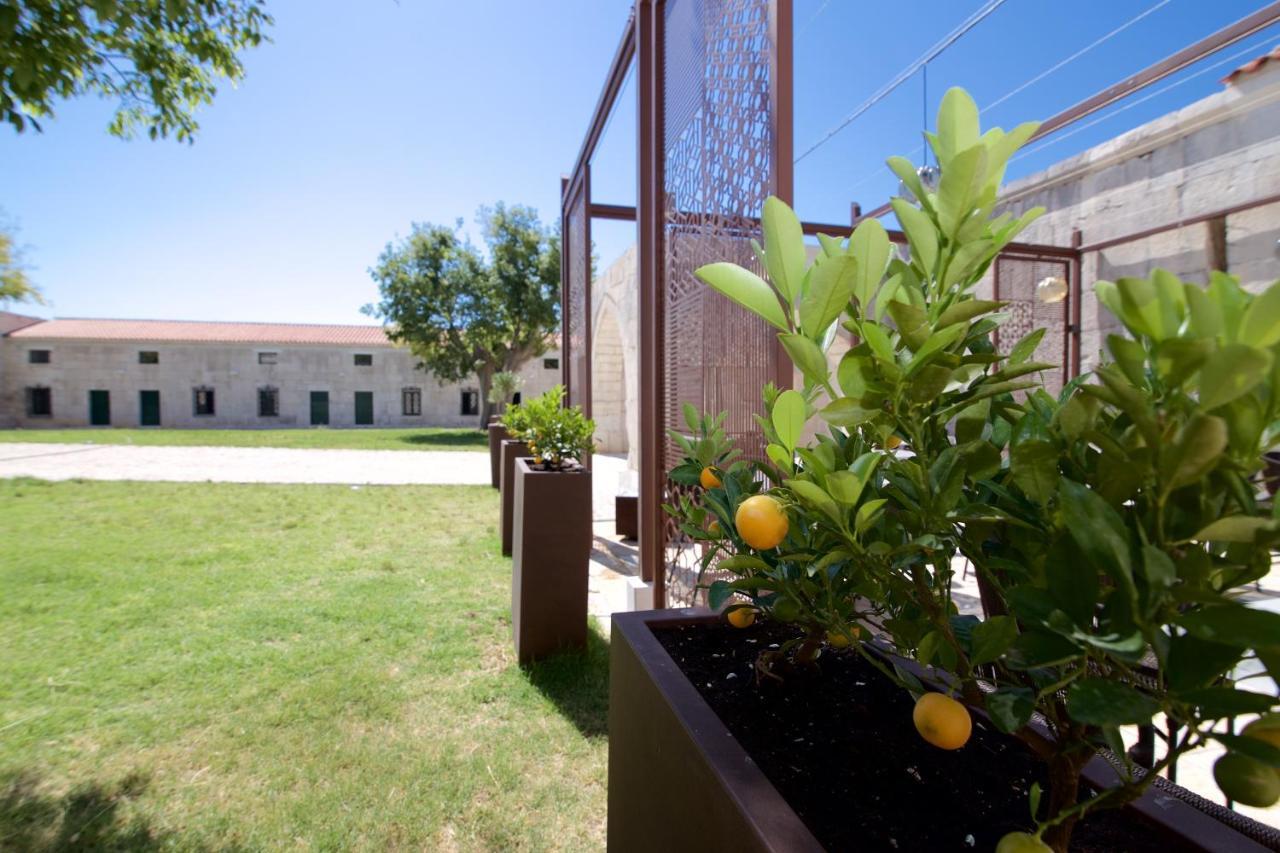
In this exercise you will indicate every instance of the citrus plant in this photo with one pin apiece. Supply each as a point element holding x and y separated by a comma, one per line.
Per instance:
<point>1112,527</point>
<point>503,387</point>
<point>558,436</point>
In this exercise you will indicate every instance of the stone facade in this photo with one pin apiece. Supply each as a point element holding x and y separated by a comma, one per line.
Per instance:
<point>235,372</point>
<point>615,383</point>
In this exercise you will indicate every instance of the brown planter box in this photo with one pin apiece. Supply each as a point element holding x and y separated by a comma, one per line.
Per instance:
<point>678,780</point>
<point>511,451</point>
<point>497,434</point>
<point>551,551</point>
<point>626,516</point>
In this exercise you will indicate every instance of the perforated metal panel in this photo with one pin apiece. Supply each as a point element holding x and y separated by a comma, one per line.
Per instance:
<point>718,127</point>
<point>576,296</point>
<point>1016,279</point>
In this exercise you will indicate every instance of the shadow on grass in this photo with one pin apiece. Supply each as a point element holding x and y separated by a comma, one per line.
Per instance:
<point>578,683</point>
<point>453,438</point>
<point>88,817</point>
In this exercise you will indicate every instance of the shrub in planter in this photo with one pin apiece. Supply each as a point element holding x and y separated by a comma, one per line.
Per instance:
<point>502,389</point>
<point>1111,528</point>
<point>551,538</point>
<point>505,385</point>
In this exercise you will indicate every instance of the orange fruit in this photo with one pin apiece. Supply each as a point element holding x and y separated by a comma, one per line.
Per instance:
<point>1022,842</point>
<point>761,522</point>
<point>714,528</point>
<point>741,617</point>
<point>837,639</point>
<point>708,478</point>
<point>942,721</point>
<point>1247,780</point>
<point>1265,729</point>
<point>891,442</point>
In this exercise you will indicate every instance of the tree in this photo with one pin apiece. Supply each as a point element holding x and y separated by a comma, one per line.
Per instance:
<point>15,286</point>
<point>464,313</point>
<point>160,59</point>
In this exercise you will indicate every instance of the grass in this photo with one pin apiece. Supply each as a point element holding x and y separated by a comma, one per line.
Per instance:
<point>428,438</point>
<point>201,666</point>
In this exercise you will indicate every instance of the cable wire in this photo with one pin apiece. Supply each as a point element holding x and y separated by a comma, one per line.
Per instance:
<point>907,73</point>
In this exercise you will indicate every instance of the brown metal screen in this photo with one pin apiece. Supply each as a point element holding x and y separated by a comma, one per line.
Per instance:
<point>717,165</point>
<point>1015,281</point>
<point>576,234</point>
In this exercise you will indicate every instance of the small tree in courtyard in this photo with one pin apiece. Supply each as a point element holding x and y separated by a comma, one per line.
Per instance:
<point>465,313</point>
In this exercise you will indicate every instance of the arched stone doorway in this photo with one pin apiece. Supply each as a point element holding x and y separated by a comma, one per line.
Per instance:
<point>609,382</point>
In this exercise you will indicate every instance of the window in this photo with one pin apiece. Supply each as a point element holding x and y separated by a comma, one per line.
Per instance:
<point>470,402</point>
<point>268,357</point>
<point>148,357</point>
<point>39,403</point>
<point>38,356</point>
<point>203,399</point>
<point>515,398</point>
<point>364,359</point>
<point>268,402</point>
<point>411,401</point>
<point>551,364</point>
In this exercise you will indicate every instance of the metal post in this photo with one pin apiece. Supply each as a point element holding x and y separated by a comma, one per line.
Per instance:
<point>782,105</point>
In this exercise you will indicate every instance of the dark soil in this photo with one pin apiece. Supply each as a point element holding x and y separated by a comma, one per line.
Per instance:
<point>839,745</point>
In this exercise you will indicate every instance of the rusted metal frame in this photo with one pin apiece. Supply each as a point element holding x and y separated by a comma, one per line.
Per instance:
<point>564,280</point>
<point>1033,250</point>
<point>1154,73</point>
<point>576,186</point>
<point>585,249</point>
<point>649,273</point>
<point>1181,223</point>
<point>609,94</point>
<point>1077,286</point>
<point>782,115</point>
<point>618,212</point>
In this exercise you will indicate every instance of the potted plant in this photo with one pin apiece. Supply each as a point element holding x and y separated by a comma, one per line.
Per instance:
<point>1111,528</point>
<point>515,422</point>
<point>551,542</point>
<point>502,390</point>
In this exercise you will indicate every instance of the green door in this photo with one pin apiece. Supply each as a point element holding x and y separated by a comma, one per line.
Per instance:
<point>100,408</point>
<point>319,408</point>
<point>364,408</point>
<point>149,408</point>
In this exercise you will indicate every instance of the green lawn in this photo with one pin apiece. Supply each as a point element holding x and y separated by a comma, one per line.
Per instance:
<point>226,666</point>
<point>427,438</point>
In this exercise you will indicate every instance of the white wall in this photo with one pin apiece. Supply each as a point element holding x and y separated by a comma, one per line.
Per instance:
<point>234,373</point>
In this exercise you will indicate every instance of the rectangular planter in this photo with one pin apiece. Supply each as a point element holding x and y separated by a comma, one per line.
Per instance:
<point>678,780</point>
<point>511,451</point>
<point>497,434</point>
<point>626,516</point>
<point>551,551</point>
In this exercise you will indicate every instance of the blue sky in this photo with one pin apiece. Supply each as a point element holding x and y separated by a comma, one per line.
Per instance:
<point>362,118</point>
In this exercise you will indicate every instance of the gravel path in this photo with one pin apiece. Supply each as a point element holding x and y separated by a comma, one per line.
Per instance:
<point>242,464</point>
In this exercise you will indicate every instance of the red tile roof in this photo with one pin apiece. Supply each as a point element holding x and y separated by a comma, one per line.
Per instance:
<point>1252,65</point>
<point>197,331</point>
<point>10,322</point>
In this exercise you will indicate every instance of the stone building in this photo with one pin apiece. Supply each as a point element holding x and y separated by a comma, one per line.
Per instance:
<point>128,373</point>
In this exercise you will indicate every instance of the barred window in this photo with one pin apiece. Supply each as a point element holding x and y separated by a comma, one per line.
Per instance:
<point>202,400</point>
<point>551,364</point>
<point>38,356</point>
<point>268,402</point>
<point>470,402</point>
<point>268,357</point>
<point>148,356</point>
<point>39,403</point>
<point>364,359</point>
<point>411,401</point>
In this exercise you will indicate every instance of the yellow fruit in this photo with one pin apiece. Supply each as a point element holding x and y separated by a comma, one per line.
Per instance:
<point>942,721</point>
<point>714,528</point>
<point>890,443</point>
<point>1265,729</point>
<point>742,617</point>
<point>708,478</point>
<point>1022,842</point>
<point>837,640</point>
<point>761,522</point>
<point>1247,780</point>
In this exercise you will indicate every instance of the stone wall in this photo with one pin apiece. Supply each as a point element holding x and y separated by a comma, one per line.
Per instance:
<point>615,329</point>
<point>235,375</point>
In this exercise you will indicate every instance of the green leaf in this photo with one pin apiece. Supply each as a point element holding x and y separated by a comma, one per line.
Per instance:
<point>846,413</point>
<point>1196,451</point>
<point>1026,347</point>
<point>784,251</point>
<point>867,514</point>
<point>1099,532</point>
<point>780,456</point>
<point>906,172</point>
<point>1217,702</point>
<point>831,286</point>
<point>961,183</point>
<point>1236,528</point>
<point>921,233</point>
<point>992,638</point>
<point>928,384</point>
<point>812,493</point>
<point>870,245</point>
<point>1131,356</point>
<point>912,323</point>
<point>967,309</point>
<point>1194,662</point>
<point>1260,326</point>
<point>1254,747</point>
<point>936,342</point>
<point>1035,649</point>
<point>1034,468</point>
<point>957,124</point>
<point>743,562</point>
<point>1234,625</point>
<point>1010,708</point>
<point>1206,316</point>
<point>807,356</point>
<point>831,246</point>
<point>876,338</point>
<point>789,417</point>
<point>1099,702</point>
<point>718,594</point>
<point>1233,370</point>
<point>747,289</point>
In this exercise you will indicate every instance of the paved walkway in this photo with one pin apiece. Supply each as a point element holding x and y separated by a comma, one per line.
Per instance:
<point>242,464</point>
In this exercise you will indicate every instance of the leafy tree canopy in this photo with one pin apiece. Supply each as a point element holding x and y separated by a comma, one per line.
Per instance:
<point>159,58</point>
<point>15,286</point>
<point>467,313</point>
